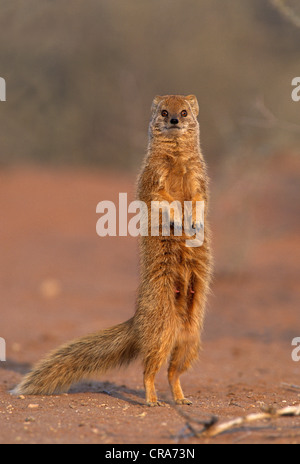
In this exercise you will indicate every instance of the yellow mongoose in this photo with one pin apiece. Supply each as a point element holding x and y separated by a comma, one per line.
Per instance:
<point>174,278</point>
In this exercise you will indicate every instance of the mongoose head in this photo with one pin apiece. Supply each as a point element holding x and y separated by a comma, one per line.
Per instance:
<point>174,115</point>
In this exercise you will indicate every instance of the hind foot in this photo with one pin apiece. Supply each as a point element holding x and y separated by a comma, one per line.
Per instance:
<point>152,404</point>
<point>183,401</point>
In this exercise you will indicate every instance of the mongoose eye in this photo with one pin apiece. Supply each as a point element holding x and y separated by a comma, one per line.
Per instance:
<point>164,113</point>
<point>184,113</point>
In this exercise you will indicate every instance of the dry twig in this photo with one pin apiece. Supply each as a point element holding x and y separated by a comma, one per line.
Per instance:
<point>296,387</point>
<point>212,427</point>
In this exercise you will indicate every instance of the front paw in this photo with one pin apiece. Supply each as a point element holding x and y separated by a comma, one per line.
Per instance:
<point>197,226</point>
<point>176,226</point>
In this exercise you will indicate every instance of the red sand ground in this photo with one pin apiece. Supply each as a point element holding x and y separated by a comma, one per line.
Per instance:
<point>58,280</point>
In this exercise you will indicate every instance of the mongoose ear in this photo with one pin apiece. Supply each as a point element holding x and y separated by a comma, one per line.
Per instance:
<point>156,102</point>
<point>194,104</point>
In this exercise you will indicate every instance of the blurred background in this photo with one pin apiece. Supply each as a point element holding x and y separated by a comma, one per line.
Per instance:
<point>81,76</point>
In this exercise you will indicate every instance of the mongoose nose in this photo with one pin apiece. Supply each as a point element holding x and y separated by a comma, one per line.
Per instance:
<point>174,121</point>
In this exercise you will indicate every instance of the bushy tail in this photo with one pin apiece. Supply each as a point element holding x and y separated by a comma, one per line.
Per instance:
<point>95,353</point>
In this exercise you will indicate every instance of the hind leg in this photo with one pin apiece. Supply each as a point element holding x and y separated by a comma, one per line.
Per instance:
<point>182,357</point>
<point>151,369</point>
<point>187,347</point>
<point>152,364</point>
<point>175,385</point>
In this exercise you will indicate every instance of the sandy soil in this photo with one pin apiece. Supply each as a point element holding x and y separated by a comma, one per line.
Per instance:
<point>59,280</point>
